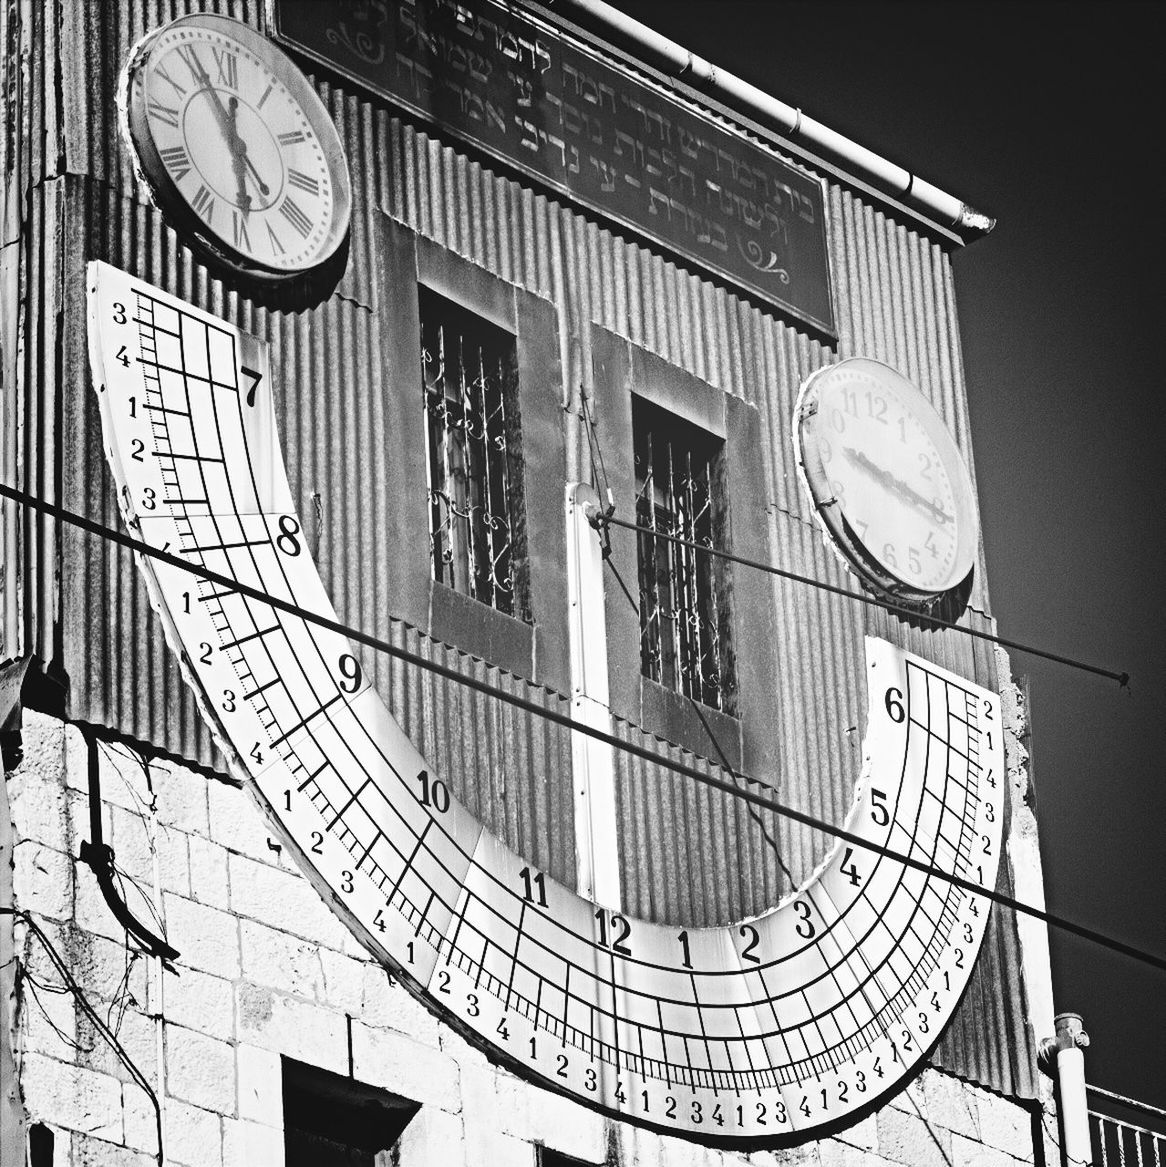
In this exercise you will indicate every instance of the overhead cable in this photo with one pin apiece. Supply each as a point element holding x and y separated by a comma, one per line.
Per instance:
<point>599,521</point>
<point>610,739</point>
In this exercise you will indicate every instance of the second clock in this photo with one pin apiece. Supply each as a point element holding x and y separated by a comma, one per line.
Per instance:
<point>887,479</point>
<point>236,146</point>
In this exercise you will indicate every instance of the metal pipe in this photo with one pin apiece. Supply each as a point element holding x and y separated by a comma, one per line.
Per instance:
<point>683,65</point>
<point>1066,1049</point>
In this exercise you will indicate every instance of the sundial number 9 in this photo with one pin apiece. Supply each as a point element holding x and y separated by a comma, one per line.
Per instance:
<point>351,671</point>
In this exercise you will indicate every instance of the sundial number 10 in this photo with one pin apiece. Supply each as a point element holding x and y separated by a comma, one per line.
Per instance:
<point>434,792</point>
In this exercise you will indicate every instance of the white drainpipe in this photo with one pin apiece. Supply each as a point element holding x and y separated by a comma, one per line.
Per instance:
<point>791,123</point>
<point>1067,1050</point>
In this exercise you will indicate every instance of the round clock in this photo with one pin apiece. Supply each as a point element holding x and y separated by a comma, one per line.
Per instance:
<point>236,146</point>
<point>886,478</point>
<point>761,1032</point>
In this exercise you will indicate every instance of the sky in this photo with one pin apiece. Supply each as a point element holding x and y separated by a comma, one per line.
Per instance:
<point>1043,116</point>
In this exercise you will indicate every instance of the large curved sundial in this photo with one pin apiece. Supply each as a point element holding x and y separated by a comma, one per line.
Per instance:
<point>771,1029</point>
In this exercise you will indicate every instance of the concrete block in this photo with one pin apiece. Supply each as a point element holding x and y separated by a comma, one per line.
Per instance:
<point>833,1153</point>
<point>1005,1125</point>
<point>200,1069</point>
<point>387,1005</point>
<point>911,1140</point>
<point>493,1148</point>
<point>250,1144</point>
<point>45,1017</point>
<point>181,796</point>
<point>137,1034</point>
<point>343,987</point>
<point>539,1116</point>
<point>282,900</point>
<point>89,1152</point>
<point>951,1103</point>
<point>864,1135</point>
<point>281,961</point>
<point>297,1028</point>
<point>72,1097</point>
<point>208,873</point>
<point>237,823</point>
<point>260,1085</point>
<point>192,1136</point>
<point>807,1155</point>
<point>99,964</point>
<point>433,1136</point>
<point>404,1066</point>
<point>42,880</point>
<point>207,938</point>
<point>44,747</point>
<point>90,911</point>
<point>141,1130</point>
<point>971,1153</point>
<point>39,804</point>
<point>199,1001</point>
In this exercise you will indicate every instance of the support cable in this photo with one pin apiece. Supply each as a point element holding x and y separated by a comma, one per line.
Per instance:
<point>565,720</point>
<point>1123,679</point>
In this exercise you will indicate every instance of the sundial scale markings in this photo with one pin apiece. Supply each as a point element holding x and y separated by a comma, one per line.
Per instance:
<point>512,964</point>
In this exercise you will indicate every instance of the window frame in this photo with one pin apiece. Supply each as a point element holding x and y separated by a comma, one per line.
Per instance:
<point>533,644</point>
<point>624,373</point>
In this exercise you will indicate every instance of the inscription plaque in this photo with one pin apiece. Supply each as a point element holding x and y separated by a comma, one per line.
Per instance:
<point>615,143</point>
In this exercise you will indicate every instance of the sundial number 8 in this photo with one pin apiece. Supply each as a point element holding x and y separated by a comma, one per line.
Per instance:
<point>286,540</point>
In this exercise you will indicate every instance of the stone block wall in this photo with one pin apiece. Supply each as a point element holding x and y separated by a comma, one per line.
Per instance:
<point>266,970</point>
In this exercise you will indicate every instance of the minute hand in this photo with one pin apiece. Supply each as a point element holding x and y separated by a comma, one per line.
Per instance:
<point>896,485</point>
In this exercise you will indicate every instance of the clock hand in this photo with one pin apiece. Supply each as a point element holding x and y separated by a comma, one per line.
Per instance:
<point>240,159</point>
<point>242,197</point>
<point>895,485</point>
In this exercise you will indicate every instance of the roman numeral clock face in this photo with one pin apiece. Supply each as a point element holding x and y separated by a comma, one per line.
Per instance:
<point>236,145</point>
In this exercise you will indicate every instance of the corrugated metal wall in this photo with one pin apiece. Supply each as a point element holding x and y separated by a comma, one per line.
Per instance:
<point>895,302</point>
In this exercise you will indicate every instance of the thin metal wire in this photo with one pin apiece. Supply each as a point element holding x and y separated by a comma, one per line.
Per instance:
<point>676,767</point>
<point>1123,679</point>
<point>79,996</point>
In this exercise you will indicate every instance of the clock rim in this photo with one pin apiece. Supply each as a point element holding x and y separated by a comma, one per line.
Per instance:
<point>841,536</point>
<point>137,133</point>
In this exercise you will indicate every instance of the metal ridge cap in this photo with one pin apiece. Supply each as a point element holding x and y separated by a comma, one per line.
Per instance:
<point>864,164</point>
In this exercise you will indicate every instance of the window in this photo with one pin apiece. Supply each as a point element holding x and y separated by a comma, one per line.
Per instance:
<point>333,1121</point>
<point>682,593</point>
<point>470,381</point>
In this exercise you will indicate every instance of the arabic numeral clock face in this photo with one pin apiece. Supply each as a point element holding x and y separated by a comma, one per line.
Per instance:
<point>236,146</point>
<point>887,480</point>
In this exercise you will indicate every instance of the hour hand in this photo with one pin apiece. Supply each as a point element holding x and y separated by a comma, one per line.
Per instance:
<point>895,485</point>
<point>242,198</point>
<point>240,159</point>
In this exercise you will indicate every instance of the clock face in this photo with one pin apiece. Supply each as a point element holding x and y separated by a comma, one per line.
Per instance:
<point>237,145</point>
<point>886,478</point>
<point>766,1031</point>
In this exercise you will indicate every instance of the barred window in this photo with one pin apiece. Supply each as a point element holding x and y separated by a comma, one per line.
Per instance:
<point>470,382</point>
<point>682,592</point>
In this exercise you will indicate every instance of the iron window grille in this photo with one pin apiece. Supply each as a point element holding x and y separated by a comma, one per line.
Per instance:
<point>683,613</point>
<point>469,384</point>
